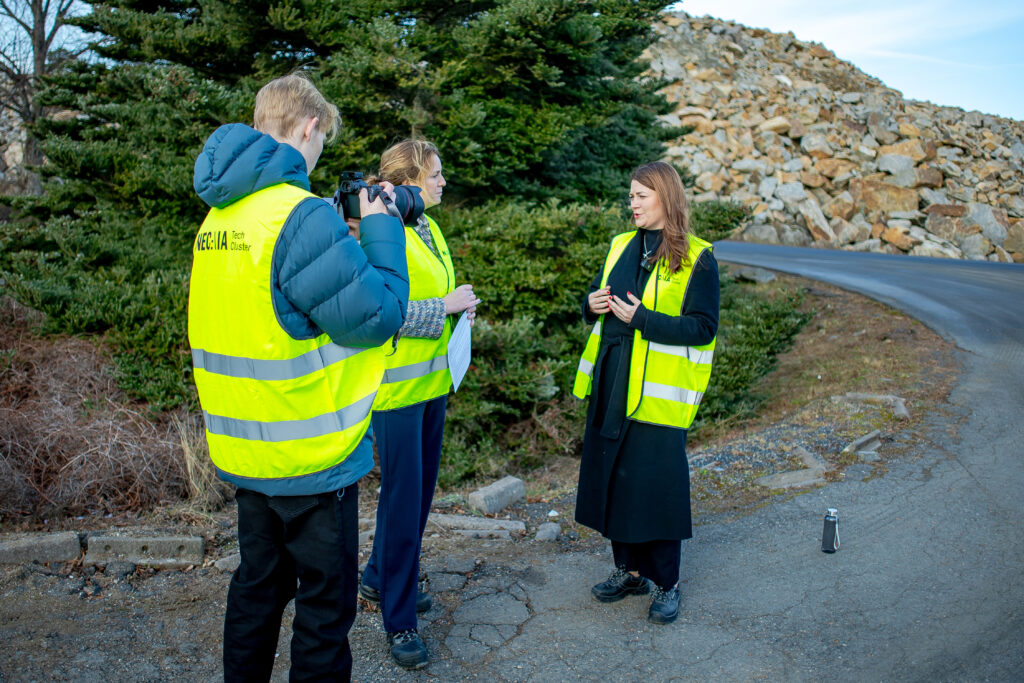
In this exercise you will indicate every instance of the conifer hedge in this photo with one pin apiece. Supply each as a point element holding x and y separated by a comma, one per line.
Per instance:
<point>539,108</point>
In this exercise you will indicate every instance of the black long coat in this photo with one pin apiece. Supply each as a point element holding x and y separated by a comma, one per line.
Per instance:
<point>634,477</point>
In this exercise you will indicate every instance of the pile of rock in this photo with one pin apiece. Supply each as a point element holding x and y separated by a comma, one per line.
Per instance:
<point>825,155</point>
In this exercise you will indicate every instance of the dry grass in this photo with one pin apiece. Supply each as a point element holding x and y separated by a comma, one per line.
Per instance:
<point>69,443</point>
<point>852,344</point>
<point>206,492</point>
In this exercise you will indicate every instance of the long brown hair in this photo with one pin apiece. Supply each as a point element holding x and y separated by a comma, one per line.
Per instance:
<point>664,181</point>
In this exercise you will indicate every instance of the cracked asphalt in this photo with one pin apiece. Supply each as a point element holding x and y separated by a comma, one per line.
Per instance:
<point>927,583</point>
<point>926,586</point>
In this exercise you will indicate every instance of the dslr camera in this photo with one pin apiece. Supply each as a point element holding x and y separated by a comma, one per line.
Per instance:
<point>406,207</point>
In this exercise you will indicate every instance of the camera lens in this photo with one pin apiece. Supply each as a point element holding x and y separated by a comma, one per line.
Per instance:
<point>409,203</point>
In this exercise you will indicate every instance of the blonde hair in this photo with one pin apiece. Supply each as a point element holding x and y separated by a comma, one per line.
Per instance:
<point>664,180</point>
<point>284,102</point>
<point>407,161</point>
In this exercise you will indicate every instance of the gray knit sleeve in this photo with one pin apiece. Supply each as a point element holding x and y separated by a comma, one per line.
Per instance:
<point>424,319</point>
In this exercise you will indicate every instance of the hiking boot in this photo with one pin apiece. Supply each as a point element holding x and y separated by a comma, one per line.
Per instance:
<point>620,584</point>
<point>665,606</point>
<point>423,600</point>
<point>407,649</point>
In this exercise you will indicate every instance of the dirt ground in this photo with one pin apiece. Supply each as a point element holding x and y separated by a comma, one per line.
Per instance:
<point>69,622</point>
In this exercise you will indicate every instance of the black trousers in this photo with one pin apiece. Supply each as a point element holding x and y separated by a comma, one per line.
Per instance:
<point>655,560</point>
<point>301,547</point>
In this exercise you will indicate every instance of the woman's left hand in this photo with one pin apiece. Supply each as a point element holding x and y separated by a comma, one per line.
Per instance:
<point>624,311</point>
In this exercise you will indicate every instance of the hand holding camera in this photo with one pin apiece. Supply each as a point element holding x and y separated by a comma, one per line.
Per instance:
<point>355,199</point>
<point>374,198</point>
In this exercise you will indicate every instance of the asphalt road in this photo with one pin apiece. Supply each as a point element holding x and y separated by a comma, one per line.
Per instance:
<point>977,304</point>
<point>926,586</point>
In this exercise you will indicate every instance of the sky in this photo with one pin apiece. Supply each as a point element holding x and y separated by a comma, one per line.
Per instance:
<point>960,54</point>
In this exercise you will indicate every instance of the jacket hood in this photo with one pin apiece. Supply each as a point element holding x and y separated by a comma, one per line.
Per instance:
<point>238,160</point>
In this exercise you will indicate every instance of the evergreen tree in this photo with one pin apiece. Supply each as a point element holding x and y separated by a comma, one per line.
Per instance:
<point>107,247</point>
<point>526,98</point>
<point>513,91</point>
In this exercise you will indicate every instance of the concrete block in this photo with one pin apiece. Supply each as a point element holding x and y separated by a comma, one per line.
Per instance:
<point>867,443</point>
<point>810,460</point>
<point>791,480</point>
<point>229,563</point>
<point>895,403</point>
<point>466,522</point>
<point>483,533</point>
<point>56,547</point>
<point>497,496</point>
<point>759,275</point>
<point>161,552</point>
<point>812,475</point>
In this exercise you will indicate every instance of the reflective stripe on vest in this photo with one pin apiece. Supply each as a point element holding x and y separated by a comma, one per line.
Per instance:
<point>275,407</point>
<point>417,371</point>
<point>291,368</point>
<point>290,430</point>
<point>666,382</point>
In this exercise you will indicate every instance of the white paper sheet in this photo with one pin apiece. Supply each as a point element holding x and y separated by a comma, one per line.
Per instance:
<point>460,350</point>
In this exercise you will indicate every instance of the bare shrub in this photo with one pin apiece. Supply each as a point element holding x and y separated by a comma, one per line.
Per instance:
<point>70,444</point>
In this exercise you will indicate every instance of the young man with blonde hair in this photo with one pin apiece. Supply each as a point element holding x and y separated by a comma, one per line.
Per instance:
<point>287,315</point>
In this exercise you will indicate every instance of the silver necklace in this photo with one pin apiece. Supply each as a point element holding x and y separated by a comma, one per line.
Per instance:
<point>647,252</point>
<point>645,262</point>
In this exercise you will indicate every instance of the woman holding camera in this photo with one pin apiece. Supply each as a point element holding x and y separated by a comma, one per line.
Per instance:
<point>645,367</point>
<point>409,413</point>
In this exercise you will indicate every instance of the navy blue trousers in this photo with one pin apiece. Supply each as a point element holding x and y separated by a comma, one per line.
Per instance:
<point>409,448</point>
<point>301,547</point>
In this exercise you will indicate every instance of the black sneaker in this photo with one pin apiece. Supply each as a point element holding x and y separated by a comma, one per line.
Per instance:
<point>620,584</point>
<point>407,649</point>
<point>423,600</point>
<point>665,607</point>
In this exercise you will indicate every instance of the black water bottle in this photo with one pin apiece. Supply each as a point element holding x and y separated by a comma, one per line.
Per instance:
<point>830,534</point>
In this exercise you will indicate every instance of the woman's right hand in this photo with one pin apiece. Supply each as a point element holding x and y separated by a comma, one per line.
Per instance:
<point>600,300</point>
<point>460,299</point>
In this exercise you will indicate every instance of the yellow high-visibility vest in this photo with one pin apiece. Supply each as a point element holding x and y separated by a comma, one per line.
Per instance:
<point>666,383</point>
<point>417,370</point>
<point>275,407</point>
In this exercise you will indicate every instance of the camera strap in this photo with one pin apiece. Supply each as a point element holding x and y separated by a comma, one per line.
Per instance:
<point>390,206</point>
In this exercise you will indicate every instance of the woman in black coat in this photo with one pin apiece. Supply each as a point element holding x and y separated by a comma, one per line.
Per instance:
<point>646,367</point>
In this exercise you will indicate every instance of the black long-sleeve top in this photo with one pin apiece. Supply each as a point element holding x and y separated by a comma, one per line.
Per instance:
<point>697,322</point>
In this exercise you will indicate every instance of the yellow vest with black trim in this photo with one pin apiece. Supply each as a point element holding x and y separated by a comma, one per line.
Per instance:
<point>666,383</point>
<point>275,407</point>
<point>417,370</point>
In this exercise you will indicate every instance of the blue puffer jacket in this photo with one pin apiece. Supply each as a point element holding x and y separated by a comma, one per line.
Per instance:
<point>322,280</point>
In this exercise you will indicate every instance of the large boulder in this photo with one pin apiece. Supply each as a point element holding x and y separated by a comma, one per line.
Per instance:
<point>898,234</point>
<point>993,222</point>
<point>815,221</point>
<point>1014,242</point>
<point>878,198</point>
